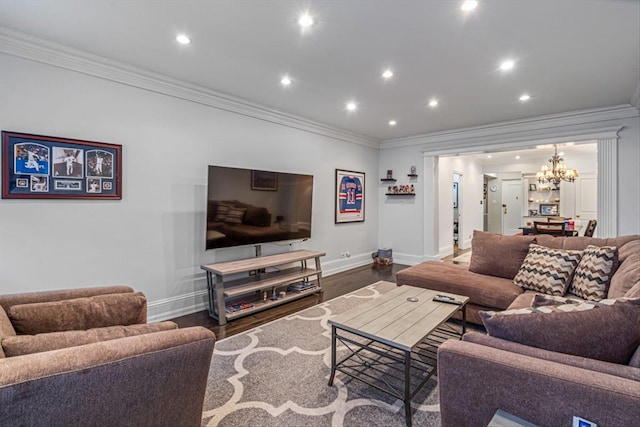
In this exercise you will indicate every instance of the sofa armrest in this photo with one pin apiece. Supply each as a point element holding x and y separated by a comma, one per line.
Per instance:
<point>624,371</point>
<point>475,380</point>
<point>153,379</point>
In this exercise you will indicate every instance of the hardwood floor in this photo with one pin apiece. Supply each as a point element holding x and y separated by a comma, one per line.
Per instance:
<point>333,286</point>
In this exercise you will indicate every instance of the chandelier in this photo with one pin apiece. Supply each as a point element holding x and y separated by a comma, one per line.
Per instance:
<point>558,172</point>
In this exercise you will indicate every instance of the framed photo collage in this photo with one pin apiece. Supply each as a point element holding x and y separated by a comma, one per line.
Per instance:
<point>44,167</point>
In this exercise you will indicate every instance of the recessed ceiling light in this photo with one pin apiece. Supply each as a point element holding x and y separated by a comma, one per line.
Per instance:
<point>183,39</point>
<point>517,157</point>
<point>525,97</point>
<point>433,103</point>
<point>387,74</point>
<point>392,123</point>
<point>286,81</point>
<point>507,65</point>
<point>469,5</point>
<point>305,20</point>
<point>561,153</point>
<point>351,106</point>
<point>489,156</point>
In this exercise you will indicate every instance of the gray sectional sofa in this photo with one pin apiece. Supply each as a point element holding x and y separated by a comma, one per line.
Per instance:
<point>545,365</point>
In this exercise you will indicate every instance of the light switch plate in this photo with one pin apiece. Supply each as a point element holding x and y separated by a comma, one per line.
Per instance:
<point>581,422</point>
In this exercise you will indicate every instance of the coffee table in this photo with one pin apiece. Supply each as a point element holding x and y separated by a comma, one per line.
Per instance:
<point>393,340</point>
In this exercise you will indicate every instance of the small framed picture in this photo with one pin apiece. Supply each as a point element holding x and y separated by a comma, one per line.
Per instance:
<point>389,174</point>
<point>532,187</point>
<point>549,209</point>
<point>264,181</point>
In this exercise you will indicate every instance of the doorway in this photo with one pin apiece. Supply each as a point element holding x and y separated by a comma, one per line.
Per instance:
<point>511,206</point>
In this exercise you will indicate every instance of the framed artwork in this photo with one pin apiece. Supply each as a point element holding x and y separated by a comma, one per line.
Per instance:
<point>532,187</point>
<point>549,209</point>
<point>263,180</point>
<point>350,192</point>
<point>47,167</point>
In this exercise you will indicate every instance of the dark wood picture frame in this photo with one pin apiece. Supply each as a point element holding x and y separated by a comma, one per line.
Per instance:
<point>264,180</point>
<point>350,196</point>
<point>48,167</point>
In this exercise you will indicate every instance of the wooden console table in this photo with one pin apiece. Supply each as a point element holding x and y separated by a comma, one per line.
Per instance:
<point>222,292</point>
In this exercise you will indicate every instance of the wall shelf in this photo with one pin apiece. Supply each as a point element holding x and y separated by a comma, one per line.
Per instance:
<point>388,179</point>
<point>400,194</point>
<point>412,175</point>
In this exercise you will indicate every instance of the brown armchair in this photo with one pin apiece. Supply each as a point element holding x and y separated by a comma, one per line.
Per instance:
<point>88,357</point>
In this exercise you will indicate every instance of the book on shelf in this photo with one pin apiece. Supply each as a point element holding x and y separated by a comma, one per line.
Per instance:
<point>301,286</point>
<point>239,306</point>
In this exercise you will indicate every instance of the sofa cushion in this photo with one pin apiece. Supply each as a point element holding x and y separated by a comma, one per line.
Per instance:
<point>26,344</point>
<point>591,277</point>
<point>6,328</point>
<point>497,255</point>
<point>635,359</point>
<point>586,332</point>
<point>79,314</point>
<point>258,217</point>
<point>221,212</point>
<point>235,215</point>
<point>482,290</point>
<point>627,276</point>
<point>547,270</point>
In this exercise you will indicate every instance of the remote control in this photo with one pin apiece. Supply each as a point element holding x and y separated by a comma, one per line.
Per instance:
<point>446,299</point>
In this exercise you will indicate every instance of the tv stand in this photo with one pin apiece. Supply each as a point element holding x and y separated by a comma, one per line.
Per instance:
<point>250,290</point>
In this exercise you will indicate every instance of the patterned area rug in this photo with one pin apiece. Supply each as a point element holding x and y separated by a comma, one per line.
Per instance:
<point>277,375</point>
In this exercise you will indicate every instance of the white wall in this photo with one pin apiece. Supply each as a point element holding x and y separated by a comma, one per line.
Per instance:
<point>153,239</point>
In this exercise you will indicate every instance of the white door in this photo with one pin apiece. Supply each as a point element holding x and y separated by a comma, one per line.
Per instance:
<point>511,206</point>
<point>586,198</point>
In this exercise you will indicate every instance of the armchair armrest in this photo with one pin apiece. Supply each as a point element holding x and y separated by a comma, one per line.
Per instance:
<point>154,379</point>
<point>476,380</point>
<point>8,300</point>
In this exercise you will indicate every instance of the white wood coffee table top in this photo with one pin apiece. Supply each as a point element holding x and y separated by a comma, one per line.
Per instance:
<point>397,322</point>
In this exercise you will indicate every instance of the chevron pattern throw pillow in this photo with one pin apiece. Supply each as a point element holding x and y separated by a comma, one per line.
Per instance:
<point>547,270</point>
<point>591,278</point>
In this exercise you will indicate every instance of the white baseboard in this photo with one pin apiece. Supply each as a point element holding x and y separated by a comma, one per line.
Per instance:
<point>343,264</point>
<point>181,305</point>
<point>408,259</point>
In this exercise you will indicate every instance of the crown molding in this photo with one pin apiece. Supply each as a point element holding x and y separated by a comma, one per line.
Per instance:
<point>35,49</point>
<point>572,124</point>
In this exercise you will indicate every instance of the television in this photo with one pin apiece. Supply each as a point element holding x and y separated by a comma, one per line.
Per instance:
<point>249,207</point>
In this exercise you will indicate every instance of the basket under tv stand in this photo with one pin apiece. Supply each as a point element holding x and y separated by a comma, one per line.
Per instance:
<point>249,291</point>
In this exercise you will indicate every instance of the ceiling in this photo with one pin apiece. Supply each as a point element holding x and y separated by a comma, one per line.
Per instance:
<point>569,54</point>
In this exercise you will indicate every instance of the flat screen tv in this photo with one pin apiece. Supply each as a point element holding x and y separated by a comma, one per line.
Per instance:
<point>248,206</point>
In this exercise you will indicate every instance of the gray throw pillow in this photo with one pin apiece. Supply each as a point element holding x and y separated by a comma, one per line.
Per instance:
<point>498,255</point>
<point>547,270</point>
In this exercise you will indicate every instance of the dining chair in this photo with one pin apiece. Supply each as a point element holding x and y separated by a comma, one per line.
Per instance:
<point>553,228</point>
<point>591,228</point>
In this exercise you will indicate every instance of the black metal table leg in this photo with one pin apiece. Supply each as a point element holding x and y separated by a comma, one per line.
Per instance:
<point>407,387</point>
<point>333,355</point>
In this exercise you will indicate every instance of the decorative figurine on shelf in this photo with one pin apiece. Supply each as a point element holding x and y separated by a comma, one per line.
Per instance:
<point>274,295</point>
<point>413,189</point>
<point>264,295</point>
<point>389,174</point>
<point>413,170</point>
